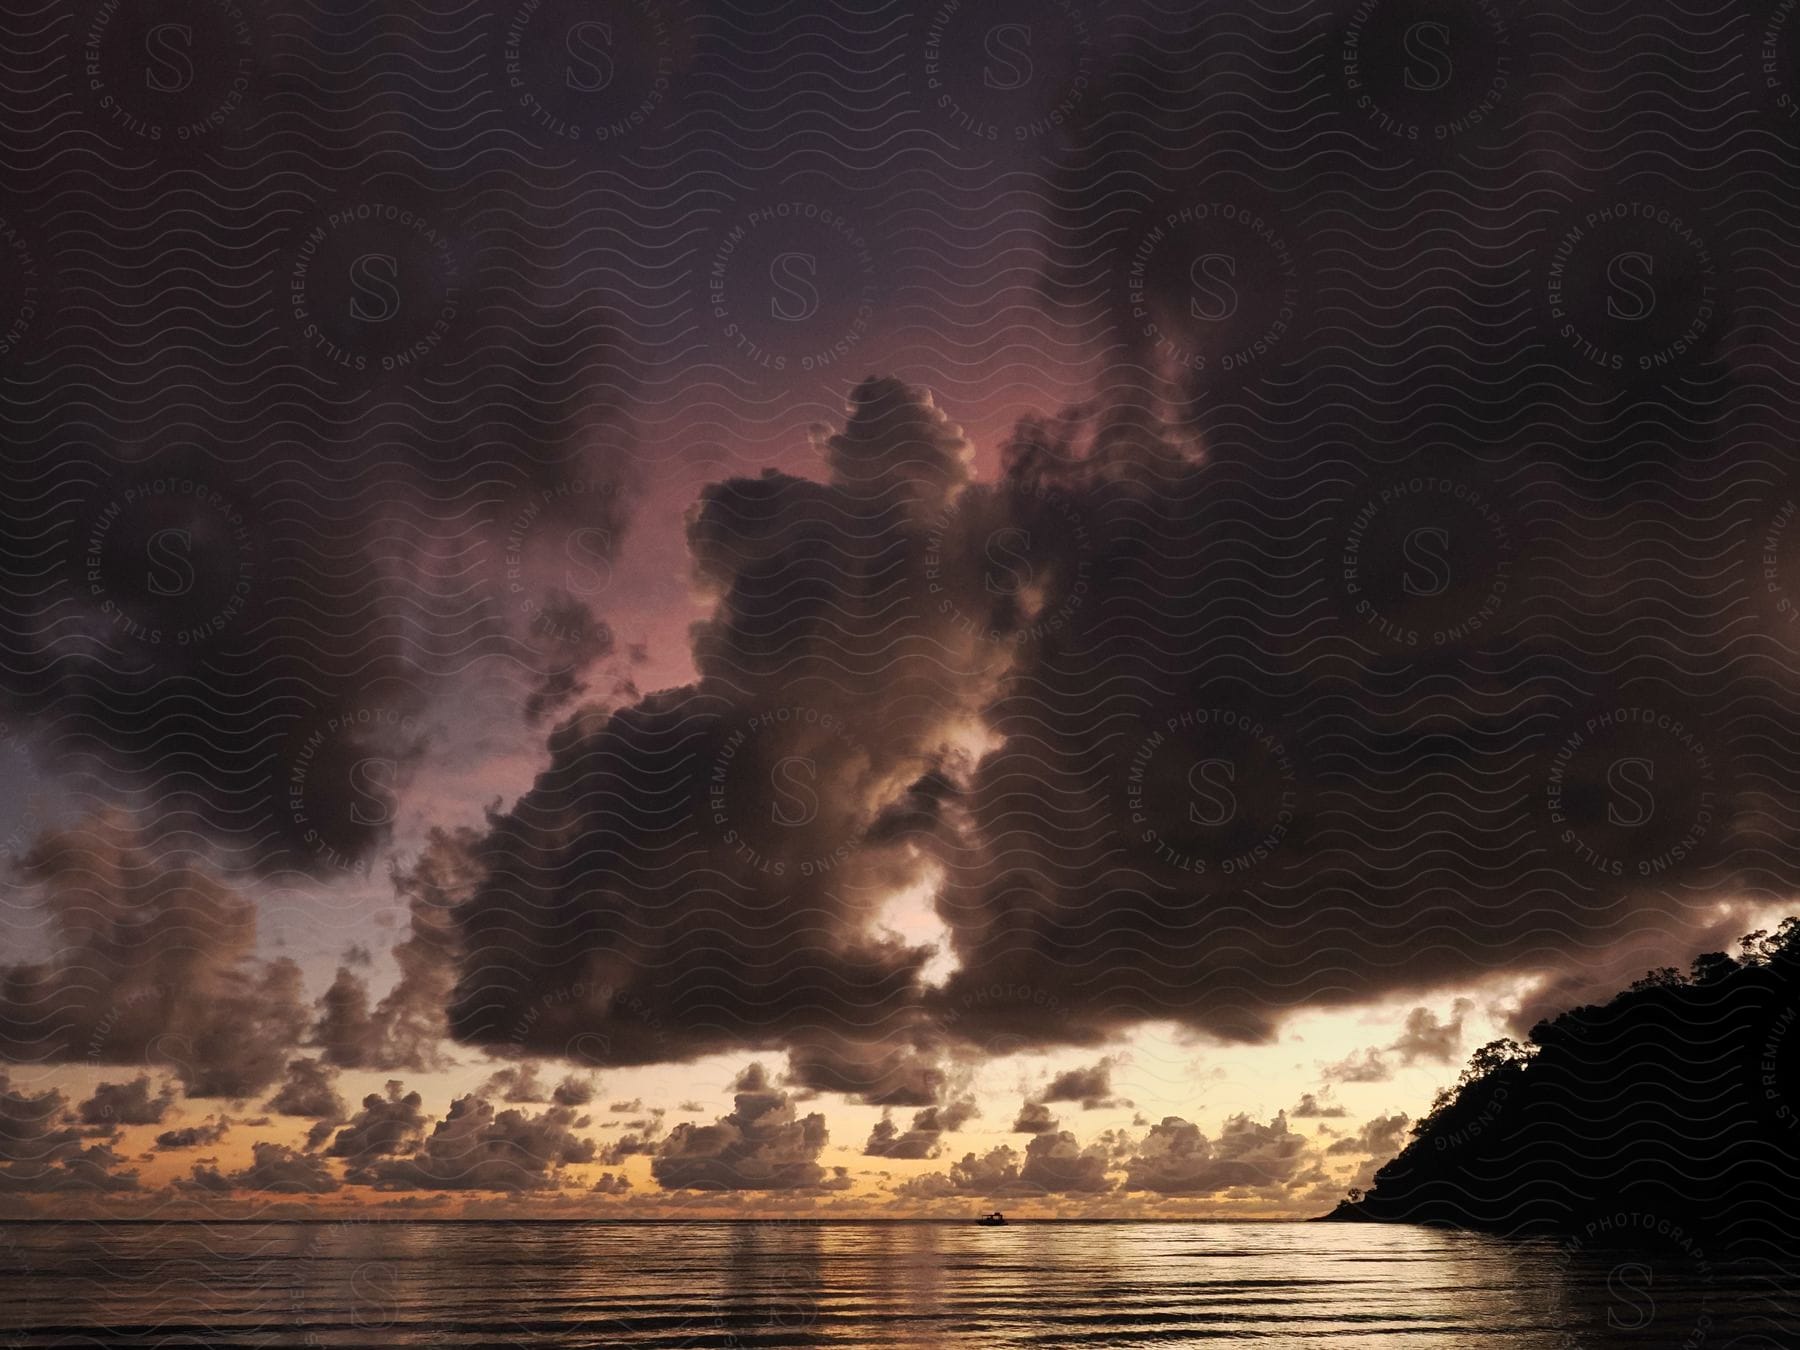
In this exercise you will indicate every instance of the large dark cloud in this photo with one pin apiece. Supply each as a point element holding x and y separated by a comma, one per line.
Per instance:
<point>1206,788</point>
<point>1150,713</point>
<point>703,870</point>
<point>255,658</point>
<point>287,486</point>
<point>1257,806</point>
<point>1459,643</point>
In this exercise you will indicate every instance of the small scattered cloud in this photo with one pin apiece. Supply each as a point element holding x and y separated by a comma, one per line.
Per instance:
<point>1034,1118</point>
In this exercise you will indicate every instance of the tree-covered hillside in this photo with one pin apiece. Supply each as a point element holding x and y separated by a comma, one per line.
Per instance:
<point>1677,1103</point>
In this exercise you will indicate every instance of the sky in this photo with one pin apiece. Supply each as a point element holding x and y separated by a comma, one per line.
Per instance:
<point>644,609</point>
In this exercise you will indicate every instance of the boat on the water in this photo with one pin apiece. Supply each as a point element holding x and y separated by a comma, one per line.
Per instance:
<point>994,1220</point>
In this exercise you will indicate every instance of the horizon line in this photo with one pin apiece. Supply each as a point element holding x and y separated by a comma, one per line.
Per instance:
<point>449,1219</point>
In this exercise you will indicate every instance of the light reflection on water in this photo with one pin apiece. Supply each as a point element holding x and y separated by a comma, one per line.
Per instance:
<point>866,1284</point>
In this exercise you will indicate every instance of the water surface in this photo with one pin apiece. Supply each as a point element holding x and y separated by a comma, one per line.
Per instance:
<point>866,1284</point>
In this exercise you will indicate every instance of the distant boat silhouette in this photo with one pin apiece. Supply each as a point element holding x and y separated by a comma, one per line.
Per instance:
<point>994,1220</point>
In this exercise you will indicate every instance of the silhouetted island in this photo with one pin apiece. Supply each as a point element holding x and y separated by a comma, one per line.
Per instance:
<point>1674,1106</point>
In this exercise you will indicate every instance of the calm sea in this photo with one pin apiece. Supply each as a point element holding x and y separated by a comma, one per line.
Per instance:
<point>865,1284</point>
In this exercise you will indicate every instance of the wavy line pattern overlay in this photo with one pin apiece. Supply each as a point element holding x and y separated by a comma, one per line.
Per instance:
<point>555,540</point>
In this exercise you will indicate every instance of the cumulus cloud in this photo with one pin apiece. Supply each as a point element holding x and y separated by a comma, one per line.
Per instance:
<point>815,768</point>
<point>762,1144</point>
<point>1054,1163</point>
<point>924,1138</point>
<point>45,1150</point>
<point>1091,1086</point>
<point>309,1089</point>
<point>1175,1158</point>
<point>876,1072</point>
<point>640,1139</point>
<point>204,1180</point>
<point>261,653</point>
<point>274,1168</point>
<point>1311,1108</point>
<point>1381,1137</point>
<point>1365,1066</point>
<point>344,1024</point>
<point>474,1147</point>
<point>390,1123</point>
<point>1423,1037</point>
<point>974,1174</point>
<point>574,1091</point>
<point>153,963</point>
<point>406,1028</point>
<point>864,629</point>
<point>516,1084</point>
<point>1426,1037</point>
<point>520,1084</point>
<point>127,1103</point>
<point>610,1184</point>
<point>207,1132</point>
<point>758,794</point>
<point>1237,816</point>
<point>1033,1118</point>
<point>1237,759</point>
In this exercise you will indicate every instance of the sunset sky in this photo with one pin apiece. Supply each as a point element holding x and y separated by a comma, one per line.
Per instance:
<point>897,614</point>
